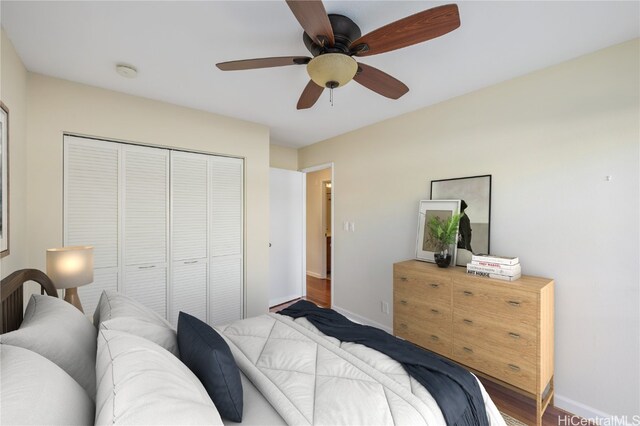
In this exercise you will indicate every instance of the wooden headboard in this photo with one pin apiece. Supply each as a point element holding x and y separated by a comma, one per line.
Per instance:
<point>12,299</point>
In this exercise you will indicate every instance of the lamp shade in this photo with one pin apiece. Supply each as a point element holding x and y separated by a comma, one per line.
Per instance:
<point>332,69</point>
<point>70,267</point>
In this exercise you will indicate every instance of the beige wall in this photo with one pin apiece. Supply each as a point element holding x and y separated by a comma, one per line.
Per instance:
<point>282,157</point>
<point>316,241</point>
<point>549,139</point>
<point>13,93</point>
<point>57,106</point>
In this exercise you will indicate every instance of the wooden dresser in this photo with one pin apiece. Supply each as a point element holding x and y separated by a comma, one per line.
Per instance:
<point>501,330</point>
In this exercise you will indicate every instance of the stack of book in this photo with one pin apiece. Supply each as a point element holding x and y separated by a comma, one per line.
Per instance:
<point>497,267</point>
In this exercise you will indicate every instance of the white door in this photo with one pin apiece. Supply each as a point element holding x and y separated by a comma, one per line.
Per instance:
<point>92,210</point>
<point>145,225</point>
<point>286,212</point>
<point>189,235</point>
<point>225,240</point>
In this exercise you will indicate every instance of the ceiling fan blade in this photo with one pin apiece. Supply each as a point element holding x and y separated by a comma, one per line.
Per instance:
<point>380,82</point>
<point>249,64</point>
<point>422,26</point>
<point>314,20</point>
<point>310,95</point>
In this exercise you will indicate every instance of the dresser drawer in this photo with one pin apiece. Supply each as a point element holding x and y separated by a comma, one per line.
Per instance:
<point>502,365</point>
<point>490,332</point>
<point>430,312</point>
<point>413,287</point>
<point>506,303</point>
<point>434,336</point>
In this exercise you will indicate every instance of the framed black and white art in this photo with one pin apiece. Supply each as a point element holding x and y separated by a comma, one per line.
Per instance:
<point>474,193</point>
<point>4,180</point>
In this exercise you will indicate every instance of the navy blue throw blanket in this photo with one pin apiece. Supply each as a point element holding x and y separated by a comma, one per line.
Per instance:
<point>455,389</point>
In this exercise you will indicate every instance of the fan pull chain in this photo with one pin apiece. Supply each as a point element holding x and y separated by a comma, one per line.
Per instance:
<point>331,96</point>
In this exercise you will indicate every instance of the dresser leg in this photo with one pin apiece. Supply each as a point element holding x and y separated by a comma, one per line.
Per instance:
<point>539,410</point>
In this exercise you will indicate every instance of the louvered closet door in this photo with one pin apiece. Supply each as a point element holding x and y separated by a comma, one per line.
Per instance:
<point>226,260</point>
<point>145,225</point>
<point>189,234</point>
<point>91,208</point>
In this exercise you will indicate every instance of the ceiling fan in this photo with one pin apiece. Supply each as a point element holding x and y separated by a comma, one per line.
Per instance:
<point>334,40</point>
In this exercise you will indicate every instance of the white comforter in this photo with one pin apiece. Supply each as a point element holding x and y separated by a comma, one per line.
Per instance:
<point>313,379</point>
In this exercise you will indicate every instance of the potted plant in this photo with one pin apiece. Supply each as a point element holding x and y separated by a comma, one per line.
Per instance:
<point>442,234</point>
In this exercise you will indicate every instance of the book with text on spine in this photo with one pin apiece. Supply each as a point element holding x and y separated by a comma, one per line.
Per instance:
<point>509,271</point>
<point>494,276</point>
<point>502,260</point>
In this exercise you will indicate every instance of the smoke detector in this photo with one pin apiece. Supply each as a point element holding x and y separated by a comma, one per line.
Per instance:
<point>126,71</point>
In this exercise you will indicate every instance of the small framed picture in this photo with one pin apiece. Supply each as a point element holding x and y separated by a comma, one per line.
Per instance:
<point>442,209</point>
<point>4,180</point>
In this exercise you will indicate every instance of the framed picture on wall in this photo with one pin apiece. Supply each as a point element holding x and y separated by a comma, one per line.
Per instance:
<point>4,180</point>
<point>442,209</point>
<point>474,193</point>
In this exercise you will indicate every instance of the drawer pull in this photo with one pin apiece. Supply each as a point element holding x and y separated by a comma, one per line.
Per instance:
<point>403,302</point>
<point>435,311</point>
<point>514,367</point>
<point>191,262</point>
<point>403,278</point>
<point>435,285</point>
<point>468,350</point>
<point>514,335</point>
<point>146,267</point>
<point>434,337</point>
<point>514,303</point>
<point>467,321</point>
<point>403,325</point>
<point>468,293</point>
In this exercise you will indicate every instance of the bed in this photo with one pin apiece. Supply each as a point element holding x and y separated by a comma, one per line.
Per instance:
<point>290,372</point>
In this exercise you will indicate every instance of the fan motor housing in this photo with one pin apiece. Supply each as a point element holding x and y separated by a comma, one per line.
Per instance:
<point>345,32</point>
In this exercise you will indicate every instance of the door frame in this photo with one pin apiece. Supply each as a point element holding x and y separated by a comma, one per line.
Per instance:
<point>307,170</point>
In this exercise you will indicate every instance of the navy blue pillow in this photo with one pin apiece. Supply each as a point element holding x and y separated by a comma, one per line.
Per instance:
<point>206,353</point>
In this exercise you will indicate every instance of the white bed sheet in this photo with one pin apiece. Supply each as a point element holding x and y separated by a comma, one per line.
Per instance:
<point>256,409</point>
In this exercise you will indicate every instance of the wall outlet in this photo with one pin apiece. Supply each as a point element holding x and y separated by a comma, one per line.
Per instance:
<point>385,307</point>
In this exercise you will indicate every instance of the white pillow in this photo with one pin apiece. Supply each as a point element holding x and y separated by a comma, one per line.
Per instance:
<point>36,391</point>
<point>141,383</point>
<point>59,332</point>
<point>114,305</point>
<point>143,327</point>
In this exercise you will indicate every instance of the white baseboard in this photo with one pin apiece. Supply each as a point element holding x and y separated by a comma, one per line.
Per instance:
<point>315,275</point>
<point>280,300</point>
<point>583,410</point>
<point>362,320</point>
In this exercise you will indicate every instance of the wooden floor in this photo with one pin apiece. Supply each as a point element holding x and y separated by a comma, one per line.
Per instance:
<point>318,292</point>
<point>521,408</point>
<point>507,401</point>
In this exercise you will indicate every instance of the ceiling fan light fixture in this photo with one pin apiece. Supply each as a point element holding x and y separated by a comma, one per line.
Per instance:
<point>332,69</point>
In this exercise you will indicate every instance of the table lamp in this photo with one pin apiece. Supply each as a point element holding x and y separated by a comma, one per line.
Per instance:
<point>70,268</point>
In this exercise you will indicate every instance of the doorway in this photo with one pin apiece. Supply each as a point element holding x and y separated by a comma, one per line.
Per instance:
<point>319,235</point>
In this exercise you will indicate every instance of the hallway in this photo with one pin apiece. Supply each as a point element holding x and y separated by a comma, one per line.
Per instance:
<point>318,292</point>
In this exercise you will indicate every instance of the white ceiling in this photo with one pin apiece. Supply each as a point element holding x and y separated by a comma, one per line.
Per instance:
<point>175,45</point>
